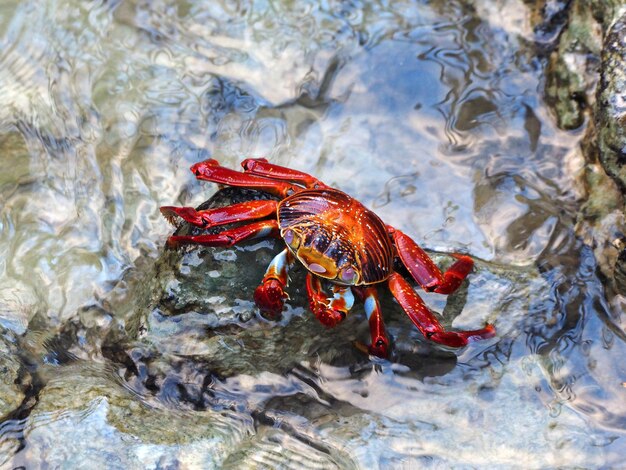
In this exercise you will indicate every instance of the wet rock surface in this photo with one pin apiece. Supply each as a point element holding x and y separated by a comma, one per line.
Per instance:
<point>586,81</point>
<point>612,103</point>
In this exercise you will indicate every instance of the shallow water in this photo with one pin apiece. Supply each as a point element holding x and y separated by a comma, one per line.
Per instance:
<point>430,113</point>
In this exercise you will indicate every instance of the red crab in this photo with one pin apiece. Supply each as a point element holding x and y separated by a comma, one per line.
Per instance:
<point>336,238</point>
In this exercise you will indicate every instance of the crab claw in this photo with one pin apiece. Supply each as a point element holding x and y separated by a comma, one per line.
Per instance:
<point>270,297</point>
<point>326,316</point>
<point>329,311</point>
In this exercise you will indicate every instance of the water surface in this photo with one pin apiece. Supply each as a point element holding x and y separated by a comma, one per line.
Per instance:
<point>431,113</point>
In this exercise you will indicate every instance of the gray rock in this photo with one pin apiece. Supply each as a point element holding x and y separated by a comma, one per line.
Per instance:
<point>612,103</point>
<point>585,81</point>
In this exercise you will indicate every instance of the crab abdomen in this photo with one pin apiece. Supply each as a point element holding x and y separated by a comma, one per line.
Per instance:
<point>337,231</point>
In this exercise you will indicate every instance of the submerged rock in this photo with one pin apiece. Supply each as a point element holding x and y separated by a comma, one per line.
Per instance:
<point>12,376</point>
<point>84,419</point>
<point>15,383</point>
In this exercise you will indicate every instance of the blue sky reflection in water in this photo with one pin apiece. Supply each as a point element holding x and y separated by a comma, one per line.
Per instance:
<point>430,113</point>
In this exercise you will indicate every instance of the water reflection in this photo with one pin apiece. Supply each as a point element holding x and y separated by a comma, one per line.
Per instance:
<point>430,113</point>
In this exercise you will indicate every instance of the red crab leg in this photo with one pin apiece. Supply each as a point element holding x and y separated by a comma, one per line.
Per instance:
<point>380,343</point>
<point>221,215</point>
<point>425,271</point>
<point>426,322</point>
<point>270,295</point>
<point>260,229</point>
<point>211,170</point>
<point>261,167</point>
<point>328,310</point>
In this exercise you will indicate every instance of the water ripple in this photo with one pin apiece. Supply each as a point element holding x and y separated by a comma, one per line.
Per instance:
<point>430,112</point>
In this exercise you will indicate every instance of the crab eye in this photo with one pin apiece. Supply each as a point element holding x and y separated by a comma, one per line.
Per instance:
<point>291,239</point>
<point>348,275</point>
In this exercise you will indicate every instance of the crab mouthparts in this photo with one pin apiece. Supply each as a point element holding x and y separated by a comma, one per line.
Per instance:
<point>316,262</point>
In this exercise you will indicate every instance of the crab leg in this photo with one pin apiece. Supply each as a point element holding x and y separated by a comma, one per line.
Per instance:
<point>260,229</point>
<point>380,343</point>
<point>328,310</point>
<point>425,271</point>
<point>426,322</point>
<point>211,170</point>
<point>270,295</point>
<point>261,167</point>
<point>221,215</point>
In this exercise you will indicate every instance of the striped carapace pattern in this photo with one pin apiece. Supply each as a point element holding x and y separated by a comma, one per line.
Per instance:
<point>340,229</point>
